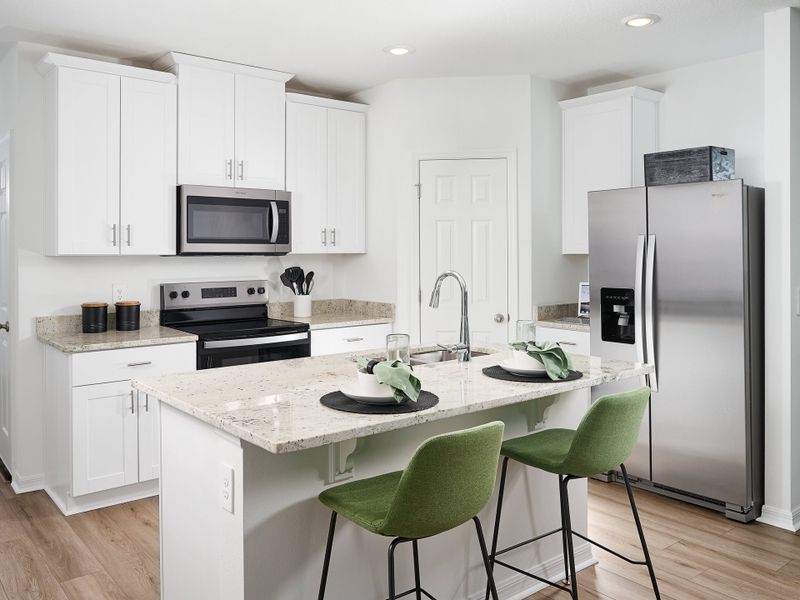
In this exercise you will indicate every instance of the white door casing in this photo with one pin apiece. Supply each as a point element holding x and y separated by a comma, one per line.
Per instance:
<point>5,300</point>
<point>464,227</point>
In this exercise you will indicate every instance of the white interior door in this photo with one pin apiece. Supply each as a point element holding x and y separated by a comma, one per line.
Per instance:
<point>464,227</point>
<point>5,299</point>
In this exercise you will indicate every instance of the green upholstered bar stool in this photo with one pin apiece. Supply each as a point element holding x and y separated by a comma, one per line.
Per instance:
<point>602,442</point>
<point>448,481</point>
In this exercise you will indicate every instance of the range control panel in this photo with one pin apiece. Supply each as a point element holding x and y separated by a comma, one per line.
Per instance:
<point>194,294</point>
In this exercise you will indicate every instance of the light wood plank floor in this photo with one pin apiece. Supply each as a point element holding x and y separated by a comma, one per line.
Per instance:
<point>112,554</point>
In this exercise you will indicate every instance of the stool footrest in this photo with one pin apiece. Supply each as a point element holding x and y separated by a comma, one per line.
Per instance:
<point>532,576</point>
<point>530,541</point>
<point>609,550</point>
<point>412,590</point>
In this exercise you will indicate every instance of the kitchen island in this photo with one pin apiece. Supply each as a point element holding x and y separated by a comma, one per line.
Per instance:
<point>246,450</point>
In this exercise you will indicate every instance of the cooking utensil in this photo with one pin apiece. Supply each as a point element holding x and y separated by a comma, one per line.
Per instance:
<point>287,282</point>
<point>296,276</point>
<point>309,281</point>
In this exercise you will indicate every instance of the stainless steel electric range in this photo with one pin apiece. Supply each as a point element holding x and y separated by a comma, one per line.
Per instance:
<point>231,319</point>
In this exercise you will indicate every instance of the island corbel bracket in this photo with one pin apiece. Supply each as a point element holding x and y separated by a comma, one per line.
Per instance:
<point>341,460</point>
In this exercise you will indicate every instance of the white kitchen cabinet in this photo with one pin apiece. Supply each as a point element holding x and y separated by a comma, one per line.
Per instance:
<point>350,339</point>
<point>573,342</point>
<point>104,434</point>
<point>605,138</point>
<point>231,123</point>
<point>326,173</point>
<point>103,438</point>
<point>110,158</point>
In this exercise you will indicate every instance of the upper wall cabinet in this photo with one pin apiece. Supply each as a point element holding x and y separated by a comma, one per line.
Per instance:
<point>326,173</point>
<point>605,138</point>
<point>110,163</point>
<point>231,123</point>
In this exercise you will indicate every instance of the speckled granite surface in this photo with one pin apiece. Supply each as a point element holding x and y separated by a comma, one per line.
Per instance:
<point>563,325</point>
<point>329,314</point>
<point>276,405</point>
<point>64,333</point>
<point>549,315</point>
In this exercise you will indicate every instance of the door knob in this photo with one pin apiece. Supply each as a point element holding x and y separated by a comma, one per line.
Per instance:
<point>4,326</point>
<point>499,318</point>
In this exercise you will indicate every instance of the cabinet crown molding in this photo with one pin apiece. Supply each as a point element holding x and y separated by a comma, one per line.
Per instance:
<point>326,102</point>
<point>628,92</point>
<point>53,60</point>
<point>172,60</point>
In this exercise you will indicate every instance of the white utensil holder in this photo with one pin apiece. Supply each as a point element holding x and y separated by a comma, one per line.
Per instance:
<point>302,306</point>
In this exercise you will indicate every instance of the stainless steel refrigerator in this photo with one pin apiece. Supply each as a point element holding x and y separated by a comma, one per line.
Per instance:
<point>677,280</point>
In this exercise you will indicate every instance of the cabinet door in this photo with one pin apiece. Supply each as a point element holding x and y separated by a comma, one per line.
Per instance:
<point>350,339</point>
<point>260,133</point>
<point>104,437</point>
<point>573,342</point>
<point>307,176</point>
<point>148,146</point>
<point>205,126</point>
<point>597,156</point>
<point>149,438</point>
<point>346,181</point>
<point>87,162</point>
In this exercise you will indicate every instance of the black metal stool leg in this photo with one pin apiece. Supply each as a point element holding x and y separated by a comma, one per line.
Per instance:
<point>326,563</point>
<point>496,533</point>
<point>563,528</point>
<point>635,511</point>
<point>392,546</point>
<point>417,586</point>
<point>486,560</point>
<point>570,547</point>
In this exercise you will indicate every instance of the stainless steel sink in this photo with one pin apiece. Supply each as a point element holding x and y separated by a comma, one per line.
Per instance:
<point>438,356</point>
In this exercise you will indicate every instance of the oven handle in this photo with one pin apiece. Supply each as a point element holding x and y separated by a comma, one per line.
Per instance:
<point>275,222</point>
<point>260,341</point>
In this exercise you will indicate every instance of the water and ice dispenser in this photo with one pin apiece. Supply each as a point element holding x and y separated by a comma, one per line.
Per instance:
<point>617,315</point>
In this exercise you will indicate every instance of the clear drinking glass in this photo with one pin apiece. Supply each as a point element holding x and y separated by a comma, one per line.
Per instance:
<point>398,347</point>
<point>526,331</point>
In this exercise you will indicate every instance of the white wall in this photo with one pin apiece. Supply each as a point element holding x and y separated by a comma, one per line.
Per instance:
<point>719,103</point>
<point>57,285</point>
<point>462,116</point>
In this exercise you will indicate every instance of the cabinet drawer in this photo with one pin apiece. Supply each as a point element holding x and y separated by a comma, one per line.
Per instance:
<point>131,363</point>
<point>573,342</point>
<point>349,339</point>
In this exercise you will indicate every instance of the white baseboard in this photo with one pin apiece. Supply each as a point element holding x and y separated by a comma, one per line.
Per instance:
<point>70,505</point>
<point>519,587</point>
<point>29,483</point>
<point>778,517</point>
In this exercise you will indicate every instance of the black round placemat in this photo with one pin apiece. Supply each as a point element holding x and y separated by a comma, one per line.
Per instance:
<point>498,372</point>
<point>338,401</point>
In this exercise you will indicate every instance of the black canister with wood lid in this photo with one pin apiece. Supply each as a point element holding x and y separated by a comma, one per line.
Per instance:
<point>94,316</point>
<point>128,315</point>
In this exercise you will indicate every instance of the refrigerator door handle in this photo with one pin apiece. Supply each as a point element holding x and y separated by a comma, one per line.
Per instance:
<point>648,310</point>
<point>637,300</point>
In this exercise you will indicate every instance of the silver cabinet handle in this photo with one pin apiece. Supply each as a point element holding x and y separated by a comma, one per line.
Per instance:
<point>354,339</point>
<point>229,169</point>
<point>146,403</point>
<point>5,326</point>
<point>114,234</point>
<point>648,309</point>
<point>324,237</point>
<point>128,232</point>
<point>333,236</point>
<point>568,343</point>
<point>133,406</point>
<point>140,364</point>
<point>241,169</point>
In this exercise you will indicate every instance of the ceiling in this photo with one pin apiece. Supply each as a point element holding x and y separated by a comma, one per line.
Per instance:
<point>335,46</point>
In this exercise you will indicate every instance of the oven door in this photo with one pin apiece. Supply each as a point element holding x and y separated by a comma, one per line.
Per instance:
<point>215,220</point>
<point>243,351</point>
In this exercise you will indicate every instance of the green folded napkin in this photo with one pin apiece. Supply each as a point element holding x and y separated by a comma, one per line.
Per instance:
<point>397,375</point>
<point>550,354</point>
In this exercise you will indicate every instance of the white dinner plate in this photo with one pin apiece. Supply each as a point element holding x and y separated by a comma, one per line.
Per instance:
<point>354,392</point>
<point>507,365</point>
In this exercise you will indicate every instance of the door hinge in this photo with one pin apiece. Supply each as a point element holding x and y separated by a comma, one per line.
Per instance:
<point>420,296</point>
<point>419,190</point>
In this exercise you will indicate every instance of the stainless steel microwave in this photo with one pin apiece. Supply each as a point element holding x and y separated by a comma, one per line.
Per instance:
<point>222,220</point>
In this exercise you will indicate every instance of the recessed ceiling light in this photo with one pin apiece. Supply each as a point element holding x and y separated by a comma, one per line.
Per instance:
<point>401,50</point>
<point>641,20</point>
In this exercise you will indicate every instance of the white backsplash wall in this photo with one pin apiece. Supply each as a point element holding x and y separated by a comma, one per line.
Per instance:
<point>57,285</point>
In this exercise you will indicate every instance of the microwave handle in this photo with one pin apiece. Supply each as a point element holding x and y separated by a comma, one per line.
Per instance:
<point>275,222</point>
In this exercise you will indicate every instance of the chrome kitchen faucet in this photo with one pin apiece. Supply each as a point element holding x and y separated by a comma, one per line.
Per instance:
<point>463,347</point>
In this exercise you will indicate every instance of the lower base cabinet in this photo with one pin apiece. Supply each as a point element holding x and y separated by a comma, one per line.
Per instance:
<point>103,437</point>
<point>572,341</point>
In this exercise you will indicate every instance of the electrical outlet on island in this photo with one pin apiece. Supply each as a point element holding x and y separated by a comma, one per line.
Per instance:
<point>119,292</point>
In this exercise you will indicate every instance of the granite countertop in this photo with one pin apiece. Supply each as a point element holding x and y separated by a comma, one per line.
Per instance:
<point>556,324</point>
<point>275,406</point>
<point>113,339</point>
<point>330,314</point>
<point>332,321</point>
